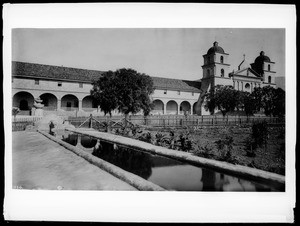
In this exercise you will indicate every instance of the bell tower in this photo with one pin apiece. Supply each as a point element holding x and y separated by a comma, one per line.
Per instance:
<point>215,71</point>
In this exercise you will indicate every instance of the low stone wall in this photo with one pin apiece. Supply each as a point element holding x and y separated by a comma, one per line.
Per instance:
<point>237,170</point>
<point>132,179</point>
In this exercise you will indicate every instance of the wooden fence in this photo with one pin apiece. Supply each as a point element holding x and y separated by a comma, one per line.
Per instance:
<point>182,121</point>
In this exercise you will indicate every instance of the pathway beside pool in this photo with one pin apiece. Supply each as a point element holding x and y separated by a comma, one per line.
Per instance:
<point>39,163</point>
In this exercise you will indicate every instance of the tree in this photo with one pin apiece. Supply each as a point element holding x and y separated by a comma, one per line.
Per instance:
<point>105,92</point>
<point>224,98</point>
<point>125,90</point>
<point>15,111</point>
<point>279,103</point>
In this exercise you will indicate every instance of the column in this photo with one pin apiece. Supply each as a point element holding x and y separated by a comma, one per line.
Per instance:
<point>242,86</point>
<point>165,108</point>
<point>58,104</point>
<point>80,105</point>
<point>238,85</point>
<point>178,108</point>
<point>251,87</point>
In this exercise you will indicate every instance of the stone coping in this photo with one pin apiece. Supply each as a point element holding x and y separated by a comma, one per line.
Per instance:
<point>132,179</point>
<point>228,168</point>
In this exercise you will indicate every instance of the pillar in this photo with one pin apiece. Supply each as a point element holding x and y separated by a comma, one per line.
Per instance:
<point>178,108</point>
<point>80,105</point>
<point>165,108</point>
<point>58,104</point>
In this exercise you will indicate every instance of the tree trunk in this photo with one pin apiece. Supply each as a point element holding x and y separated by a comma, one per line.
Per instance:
<point>126,119</point>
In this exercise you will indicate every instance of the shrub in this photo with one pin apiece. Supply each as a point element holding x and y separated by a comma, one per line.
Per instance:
<point>260,133</point>
<point>204,151</point>
<point>225,147</point>
<point>184,142</point>
<point>146,137</point>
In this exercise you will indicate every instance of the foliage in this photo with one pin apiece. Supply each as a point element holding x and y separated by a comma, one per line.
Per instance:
<point>125,90</point>
<point>250,147</point>
<point>224,98</point>
<point>225,147</point>
<point>260,133</point>
<point>205,151</point>
<point>271,100</point>
<point>146,137</point>
<point>15,111</point>
<point>105,92</point>
<point>160,139</point>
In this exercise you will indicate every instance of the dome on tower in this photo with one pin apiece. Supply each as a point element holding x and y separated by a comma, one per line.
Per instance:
<point>262,58</point>
<point>215,49</point>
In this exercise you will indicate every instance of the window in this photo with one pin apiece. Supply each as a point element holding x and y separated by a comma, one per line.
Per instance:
<point>221,59</point>
<point>269,79</point>
<point>178,92</point>
<point>59,84</point>
<point>36,81</point>
<point>193,93</point>
<point>80,85</point>
<point>269,67</point>
<point>165,91</point>
<point>222,72</point>
<point>247,86</point>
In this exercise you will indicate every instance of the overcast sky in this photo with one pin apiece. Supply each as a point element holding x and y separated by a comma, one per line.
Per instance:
<point>171,53</point>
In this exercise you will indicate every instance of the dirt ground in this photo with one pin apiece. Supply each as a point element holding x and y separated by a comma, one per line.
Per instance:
<point>269,158</point>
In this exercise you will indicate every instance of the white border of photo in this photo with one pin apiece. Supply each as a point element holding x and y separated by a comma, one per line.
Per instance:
<point>121,206</point>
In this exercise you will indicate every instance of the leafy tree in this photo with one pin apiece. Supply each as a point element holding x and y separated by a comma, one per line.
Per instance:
<point>209,103</point>
<point>15,111</point>
<point>105,92</point>
<point>256,96</point>
<point>125,90</point>
<point>279,103</point>
<point>224,98</point>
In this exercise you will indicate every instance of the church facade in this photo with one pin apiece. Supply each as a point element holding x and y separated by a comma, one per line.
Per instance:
<point>248,76</point>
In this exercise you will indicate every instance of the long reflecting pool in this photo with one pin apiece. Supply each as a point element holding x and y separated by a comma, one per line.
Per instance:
<point>165,172</point>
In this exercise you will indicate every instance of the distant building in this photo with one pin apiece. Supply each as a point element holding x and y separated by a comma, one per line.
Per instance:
<point>66,91</point>
<point>216,72</point>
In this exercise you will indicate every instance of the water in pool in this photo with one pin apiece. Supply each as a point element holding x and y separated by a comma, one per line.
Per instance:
<point>165,172</point>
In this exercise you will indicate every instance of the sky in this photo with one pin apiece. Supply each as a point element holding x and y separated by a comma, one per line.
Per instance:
<point>161,52</point>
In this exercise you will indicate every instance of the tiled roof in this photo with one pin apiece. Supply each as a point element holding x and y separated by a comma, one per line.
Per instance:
<point>75,74</point>
<point>53,72</point>
<point>176,84</point>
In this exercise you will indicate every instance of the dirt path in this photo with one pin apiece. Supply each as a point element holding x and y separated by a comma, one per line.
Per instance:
<point>39,163</point>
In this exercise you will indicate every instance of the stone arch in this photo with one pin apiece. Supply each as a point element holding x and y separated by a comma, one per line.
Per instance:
<point>247,86</point>
<point>24,101</point>
<point>88,142</point>
<point>69,102</point>
<point>172,107</point>
<point>49,101</point>
<point>185,107</point>
<point>194,108</point>
<point>158,107</point>
<point>89,103</point>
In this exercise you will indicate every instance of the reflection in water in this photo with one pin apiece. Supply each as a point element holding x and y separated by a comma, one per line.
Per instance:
<point>167,173</point>
<point>133,161</point>
<point>208,180</point>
